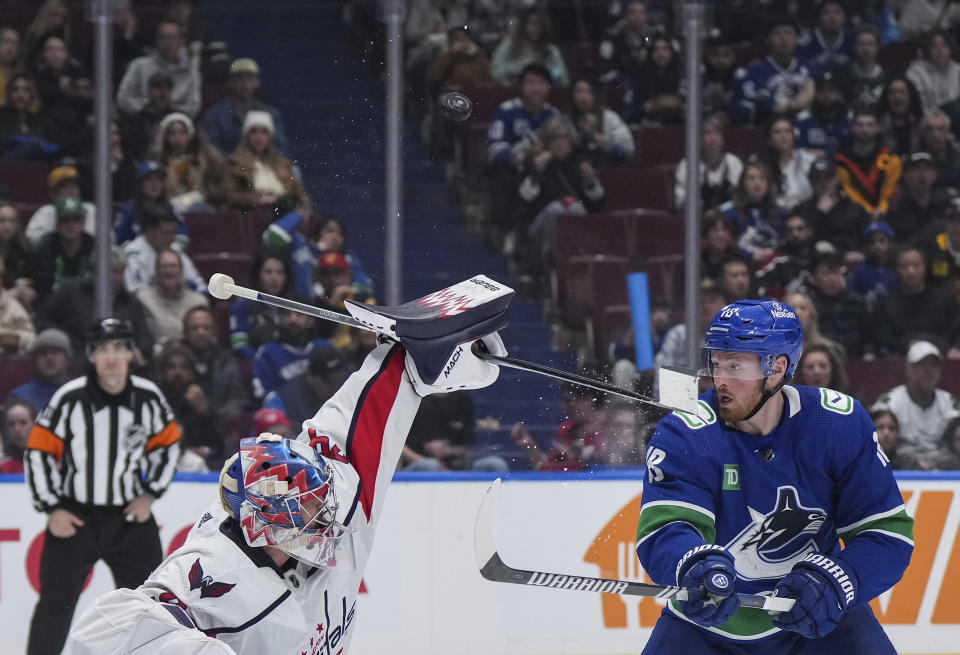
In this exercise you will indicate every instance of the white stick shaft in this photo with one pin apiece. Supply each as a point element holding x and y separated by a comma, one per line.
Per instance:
<point>277,301</point>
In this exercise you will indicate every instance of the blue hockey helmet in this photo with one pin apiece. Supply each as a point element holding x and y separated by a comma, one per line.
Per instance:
<point>281,492</point>
<point>765,327</point>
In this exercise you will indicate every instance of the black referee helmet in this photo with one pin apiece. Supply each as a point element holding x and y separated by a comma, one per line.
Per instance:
<point>109,329</point>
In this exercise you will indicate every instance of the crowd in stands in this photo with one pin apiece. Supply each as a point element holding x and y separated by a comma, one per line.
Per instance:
<point>830,180</point>
<point>829,172</point>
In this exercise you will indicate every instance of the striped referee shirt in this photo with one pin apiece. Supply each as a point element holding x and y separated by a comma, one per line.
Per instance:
<point>94,448</point>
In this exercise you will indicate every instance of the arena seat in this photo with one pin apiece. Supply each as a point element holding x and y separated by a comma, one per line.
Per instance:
<point>659,145</point>
<point>25,180</point>
<point>215,232</point>
<point>14,371</point>
<point>255,224</point>
<point>630,187</point>
<point>896,57</point>
<point>237,265</point>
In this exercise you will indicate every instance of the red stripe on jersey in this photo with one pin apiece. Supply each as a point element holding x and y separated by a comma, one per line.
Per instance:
<point>367,439</point>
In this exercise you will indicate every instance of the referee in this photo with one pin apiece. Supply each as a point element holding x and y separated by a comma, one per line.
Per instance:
<point>99,455</point>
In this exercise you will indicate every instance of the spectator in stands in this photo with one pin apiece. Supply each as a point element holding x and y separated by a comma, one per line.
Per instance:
<point>829,44</point>
<point>790,164</point>
<point>223,122</point>
<point>843,315</point>
<point>22,129</point>
<point>673,352</point>
<point>825,126</point>
<point>754,212</point>
<point>874,278</point>
<point>52,354</point>
<point>68,117</point>
<point>53,18</point>
<point>139,129</point>
<point>15,255</point>
<point>510,136</point>
<point>9,58</point>
<point>834,216</point>
<point>216,369</point>
<point>810,320</point>
<point>888,437</point>
<point>820,367</point>
<point>917,310</point>
<point>654,95</point>
<point>54,72</point>
<point>441,436</point>
<point>718,242</point>
<point>17,420</point>
<point>948,455</point>
<point>598,131</point>
<point>868,169</point>
<point>936,76</point>
<point>937,140</point>
<point>258,174</point>
<point>129,41</point>
<point>528,43</point>
<point>298,398</point>
<point>460,65</point>
<point>863,76</point>
<point>427,25</point>
<point>579,441</point>
<point>166,300</point>
<point>623,49</point>
<point>72,307</point>
<point>919,17</point>
<point>778,83</point>
<point>207,49</point>
<point>900,115</point>
<point>626,439</point>
<point>734,280</point>
<point>278,362</point>
<point>917,211</point>
<point>201,436</point>
<point>943,252</point>
<point>333,285</point>
<point>559,182</point>
<point>273,421</point>
<point>720,65</point>
<point>195,170</point>
<point>150,198</point>
<point>159,233</point>
<point>719,170</point>
<point>253,323</point>
<point>922,410</point>
<point>788,269</point>
<point>16,328</point>
<point>63,182</point>
<point>62,254</point>
<point>171,58</point>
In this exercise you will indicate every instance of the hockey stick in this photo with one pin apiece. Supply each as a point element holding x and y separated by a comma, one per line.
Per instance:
<point>492,567</point>
<point>681,389</point>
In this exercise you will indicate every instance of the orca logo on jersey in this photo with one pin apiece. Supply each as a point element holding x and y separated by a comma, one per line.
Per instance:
<point>774,542</point>
<point>206,584</point>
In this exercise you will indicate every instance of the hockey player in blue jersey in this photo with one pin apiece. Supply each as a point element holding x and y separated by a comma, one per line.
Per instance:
<point>754,494</point>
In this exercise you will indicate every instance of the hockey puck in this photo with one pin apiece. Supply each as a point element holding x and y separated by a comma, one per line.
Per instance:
<point>455,106</point>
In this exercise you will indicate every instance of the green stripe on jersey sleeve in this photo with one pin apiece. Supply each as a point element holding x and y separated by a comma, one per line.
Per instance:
<point>659,513</point>
<point>899,524</point>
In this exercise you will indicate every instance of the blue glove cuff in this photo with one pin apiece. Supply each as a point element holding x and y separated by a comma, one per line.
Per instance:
<point>844,584</point>
<point>694,555</point>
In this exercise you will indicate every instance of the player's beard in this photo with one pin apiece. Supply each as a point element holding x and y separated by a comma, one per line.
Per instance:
<point>741,404</point>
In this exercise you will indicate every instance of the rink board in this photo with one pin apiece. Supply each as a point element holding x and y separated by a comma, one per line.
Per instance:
<point>424,596</point>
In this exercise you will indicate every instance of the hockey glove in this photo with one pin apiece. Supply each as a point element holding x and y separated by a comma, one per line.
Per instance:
<point>708,574</point>
<point>823,591</point>
<point>463,369</point>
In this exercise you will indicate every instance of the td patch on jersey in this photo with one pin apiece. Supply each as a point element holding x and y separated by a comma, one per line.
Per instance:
<point>775,541</point>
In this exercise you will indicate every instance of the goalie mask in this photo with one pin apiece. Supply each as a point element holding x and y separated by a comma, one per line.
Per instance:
<point>281,492</point>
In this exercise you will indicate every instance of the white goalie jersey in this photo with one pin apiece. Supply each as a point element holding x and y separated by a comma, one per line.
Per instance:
<point>216,593</point>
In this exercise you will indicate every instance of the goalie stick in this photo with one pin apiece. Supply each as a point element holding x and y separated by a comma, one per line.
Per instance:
<point>678,390</point>
<point>492,567</point>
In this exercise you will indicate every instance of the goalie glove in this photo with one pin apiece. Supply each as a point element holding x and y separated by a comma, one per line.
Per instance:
<point>708,573</point>
<point>463,369</point>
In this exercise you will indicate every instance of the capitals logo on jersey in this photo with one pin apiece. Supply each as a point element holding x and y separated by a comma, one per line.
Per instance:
<point>774,542</point>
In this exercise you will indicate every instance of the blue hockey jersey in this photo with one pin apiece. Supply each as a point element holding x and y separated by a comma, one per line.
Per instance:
<point>510,125</point>
<point>818,477</point>
<point>763,85</point>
